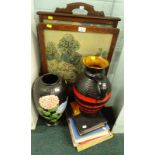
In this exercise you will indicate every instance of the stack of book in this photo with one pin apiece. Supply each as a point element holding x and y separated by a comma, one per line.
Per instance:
<point>87,131</point>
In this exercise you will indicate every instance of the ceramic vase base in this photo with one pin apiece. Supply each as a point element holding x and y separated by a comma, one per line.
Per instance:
<point>49,124</point>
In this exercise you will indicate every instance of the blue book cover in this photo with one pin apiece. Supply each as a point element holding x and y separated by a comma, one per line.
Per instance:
<point>92,134</point>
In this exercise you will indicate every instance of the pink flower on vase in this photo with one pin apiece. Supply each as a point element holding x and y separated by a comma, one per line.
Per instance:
<point>49,101</point>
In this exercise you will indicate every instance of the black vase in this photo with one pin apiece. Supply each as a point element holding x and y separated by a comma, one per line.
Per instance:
<point>92,89</point>
<point>50,97</point>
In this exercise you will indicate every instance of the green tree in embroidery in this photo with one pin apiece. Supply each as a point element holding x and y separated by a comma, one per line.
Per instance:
<point>68,47</point>
<point>68,44</point>
<point>51,51</point>
<point>101,53</point>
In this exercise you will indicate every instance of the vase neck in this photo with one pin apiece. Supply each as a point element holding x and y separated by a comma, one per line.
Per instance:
<point>49,79</point>
<point>94,73</point>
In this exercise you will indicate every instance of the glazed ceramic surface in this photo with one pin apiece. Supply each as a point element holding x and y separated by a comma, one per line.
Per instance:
<point>50,97</point>
<point>92,89</point>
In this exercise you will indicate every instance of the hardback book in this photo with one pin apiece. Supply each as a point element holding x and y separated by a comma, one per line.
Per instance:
<point>85,124</point>
<point>77,138</point>
<point>93,142</point>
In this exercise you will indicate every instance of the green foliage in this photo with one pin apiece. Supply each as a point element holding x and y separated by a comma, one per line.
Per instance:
<point>49,114</point>
<point>43,112</point>
<point>80,67</point>
<point>48,118</point>
<point>53,120</point>
<point>66,63</point>
<point>51,51</point>
<point>53,109</point>
<point>102,53</point>
<point>68,44</point>
<point>63,69</point>
<point>73,58</point>
<point>56,115</point>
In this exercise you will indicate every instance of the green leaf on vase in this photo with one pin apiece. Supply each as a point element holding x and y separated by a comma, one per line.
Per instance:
<point>48,118</point>
<point>59,116</point>
<point>56,115</point>
<point>53,110</point>
<point>43,112</point>
<point>53,120</point>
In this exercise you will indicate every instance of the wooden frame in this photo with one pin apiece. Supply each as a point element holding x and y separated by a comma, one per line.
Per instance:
<point>66,14</point>
<point>73,28</point>
<point>64,19</point>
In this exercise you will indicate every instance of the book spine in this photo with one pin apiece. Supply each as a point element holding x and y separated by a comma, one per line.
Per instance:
<point>90,144</point>
<point>71,133</point>
<point>104,136</point>
<point>93,136</point>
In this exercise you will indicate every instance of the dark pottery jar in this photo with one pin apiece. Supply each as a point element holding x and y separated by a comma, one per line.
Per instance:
<point>92,89</point>
<point>50,97</point>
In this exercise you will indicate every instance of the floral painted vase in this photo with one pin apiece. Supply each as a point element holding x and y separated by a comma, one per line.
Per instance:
<point>50,97</point>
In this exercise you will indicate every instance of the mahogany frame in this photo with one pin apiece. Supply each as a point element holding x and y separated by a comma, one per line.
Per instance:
<point>65,14</point>
<point>73,28</point>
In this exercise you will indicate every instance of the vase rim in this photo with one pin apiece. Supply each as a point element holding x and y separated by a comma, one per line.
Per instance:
<point>95,62</point>
<point>49,79</point>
